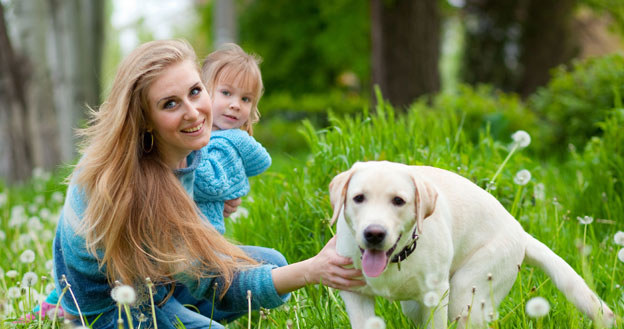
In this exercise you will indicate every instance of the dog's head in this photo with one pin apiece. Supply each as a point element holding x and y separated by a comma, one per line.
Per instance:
<point>381,202</point>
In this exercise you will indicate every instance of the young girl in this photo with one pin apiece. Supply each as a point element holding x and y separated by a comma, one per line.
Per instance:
<point>129,214</point>
<point>234,82</point>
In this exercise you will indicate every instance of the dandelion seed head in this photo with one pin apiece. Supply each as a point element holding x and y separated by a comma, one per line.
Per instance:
<point>34,223</point>
<point>431,299</point>
<point>374,322</point>
<point>58,197</point>
<point>27,257</point>
<point>29,279</point>
<point>289,323</point>
<point>521,138</point>
<point>11,274</point>
<point>2,235</point>
<point>537,307</point>
<point>433,280</point>
<point>620,256</point>
<point>14,293</point>
<point>539,191</point>
<point>619,238</point>
<point>522,177</point>
<point>124,294</point>
<point>49,288</point>
<point>3,199</point>
<point>49,264</point>
<point>585,220</point>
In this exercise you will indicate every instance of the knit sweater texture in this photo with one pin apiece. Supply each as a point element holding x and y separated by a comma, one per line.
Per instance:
<point>88,280</point>
<point>231,157</point>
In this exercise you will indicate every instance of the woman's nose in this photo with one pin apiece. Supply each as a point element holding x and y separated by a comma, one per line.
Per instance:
<point>191,113</point>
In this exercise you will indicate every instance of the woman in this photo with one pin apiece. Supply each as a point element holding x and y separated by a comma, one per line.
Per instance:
<point>129,212</point>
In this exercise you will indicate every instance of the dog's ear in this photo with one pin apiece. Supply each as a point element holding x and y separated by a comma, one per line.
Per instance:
<point>426,197</point>
<point>338,192</point>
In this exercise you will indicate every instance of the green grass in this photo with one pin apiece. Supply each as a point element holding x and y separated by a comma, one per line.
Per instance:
<point>288,209</point>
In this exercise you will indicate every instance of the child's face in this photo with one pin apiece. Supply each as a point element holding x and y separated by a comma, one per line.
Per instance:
<point>231,106</point>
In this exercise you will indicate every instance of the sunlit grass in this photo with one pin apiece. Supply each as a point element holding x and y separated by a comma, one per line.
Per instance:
<point>289,206</point>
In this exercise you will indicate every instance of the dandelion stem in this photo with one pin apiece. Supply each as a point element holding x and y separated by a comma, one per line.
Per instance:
<point>613,270</point>
<point>128,315</point>
<point>517,198</point>
<point>249,309</point>
<point>214,295</point>
<point>41,302</point>
<point>149,288</point>
<point>75,301</point>
<point>500,168</point>
<point>56,308</point>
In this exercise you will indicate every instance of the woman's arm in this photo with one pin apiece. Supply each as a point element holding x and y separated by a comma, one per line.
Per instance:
<point>327,268</point>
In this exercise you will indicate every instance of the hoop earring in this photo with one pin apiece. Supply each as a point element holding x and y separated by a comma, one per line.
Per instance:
<point>149,138</point>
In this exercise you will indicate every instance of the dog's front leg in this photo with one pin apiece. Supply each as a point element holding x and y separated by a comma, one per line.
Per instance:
<point>359,308</point>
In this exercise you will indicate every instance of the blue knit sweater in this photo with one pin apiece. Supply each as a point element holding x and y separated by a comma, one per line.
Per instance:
<point>229,159</point>
<point>89,284</point>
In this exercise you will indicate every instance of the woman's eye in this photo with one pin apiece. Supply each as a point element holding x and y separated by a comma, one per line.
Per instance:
<point>358,198</point>
<point>397,201</point>
<point>169,104</point>
<point>196,91</point>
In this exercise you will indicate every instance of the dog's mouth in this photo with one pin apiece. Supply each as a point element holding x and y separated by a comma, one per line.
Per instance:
<point>375,261</point>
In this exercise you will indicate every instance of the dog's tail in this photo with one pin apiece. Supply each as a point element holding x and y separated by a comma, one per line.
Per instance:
<point>568,281</point>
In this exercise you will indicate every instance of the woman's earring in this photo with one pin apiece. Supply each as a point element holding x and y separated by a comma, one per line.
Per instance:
<point>148,142</point>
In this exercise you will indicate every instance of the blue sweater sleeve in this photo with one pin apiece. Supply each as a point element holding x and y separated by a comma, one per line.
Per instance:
<point>258,280</point>
<point>230,157</point>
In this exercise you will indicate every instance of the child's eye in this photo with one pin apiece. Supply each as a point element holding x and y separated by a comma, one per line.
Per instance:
<point>246,99</point>
<point>225,92</point>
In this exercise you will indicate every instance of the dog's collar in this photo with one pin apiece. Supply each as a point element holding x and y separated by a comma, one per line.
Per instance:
<point>408,250</point>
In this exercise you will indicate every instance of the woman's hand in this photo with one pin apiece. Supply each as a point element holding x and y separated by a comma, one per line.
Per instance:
<point>327,268</point>
<point>230,206</point>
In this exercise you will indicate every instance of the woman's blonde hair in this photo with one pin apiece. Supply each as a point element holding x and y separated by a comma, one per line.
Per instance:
<point>138,214</point>
<point>231,64</point>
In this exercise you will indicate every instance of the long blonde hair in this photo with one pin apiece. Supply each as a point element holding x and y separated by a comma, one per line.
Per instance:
<point>138,213</point>
<point>231,64</point>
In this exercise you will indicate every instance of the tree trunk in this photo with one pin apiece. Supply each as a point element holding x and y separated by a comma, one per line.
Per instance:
<point>547,41</point>
<point>60,43</point>
<point>15,146</point>
<point>406,49</point>
<point>225,23</point>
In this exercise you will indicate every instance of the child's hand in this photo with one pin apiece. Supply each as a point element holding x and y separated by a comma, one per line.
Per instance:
<point>230,206</point>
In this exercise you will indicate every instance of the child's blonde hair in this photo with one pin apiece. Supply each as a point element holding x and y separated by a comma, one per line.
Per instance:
<point>230,63</point>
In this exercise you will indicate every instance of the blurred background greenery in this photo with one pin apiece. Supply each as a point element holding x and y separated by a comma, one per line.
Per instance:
<point>551,67</point>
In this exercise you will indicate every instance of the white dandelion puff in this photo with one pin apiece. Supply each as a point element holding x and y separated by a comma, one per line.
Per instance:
<point>49,288</point>
<point>431,299</point>
<point>58,197</point>
<point>537,307</point>
<point>539,191</point>
<point>585,220</point>
<point>620,256</point>
<point>124,295</point>
<point>375,322</point>
<point>619,238</point>
<point>39,199</point>
<point>521,139</point>
<point>14,293</point>
<point>522,177</point>
<point>34,223</point>
<point>241,212</point>
<point>11,274</point>
<point>3,199</point>
<point>2,235</point>
<point>27,257</point>
<point>29,279</point>
<point>49,264</point>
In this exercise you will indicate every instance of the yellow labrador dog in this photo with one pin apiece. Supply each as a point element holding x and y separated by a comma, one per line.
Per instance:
<point>436,241</point>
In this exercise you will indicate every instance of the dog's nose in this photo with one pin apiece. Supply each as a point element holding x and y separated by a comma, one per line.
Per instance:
<point>374,234</point>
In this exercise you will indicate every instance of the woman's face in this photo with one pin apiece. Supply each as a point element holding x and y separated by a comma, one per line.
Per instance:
<point>180,112</point>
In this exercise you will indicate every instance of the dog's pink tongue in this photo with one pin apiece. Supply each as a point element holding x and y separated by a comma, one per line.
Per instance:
<point>374,262</point>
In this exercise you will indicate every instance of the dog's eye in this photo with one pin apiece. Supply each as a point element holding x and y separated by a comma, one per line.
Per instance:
<point>397,201</point>
<point>358,198</point>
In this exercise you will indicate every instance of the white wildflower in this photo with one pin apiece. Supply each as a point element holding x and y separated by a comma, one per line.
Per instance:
<point>29,279</point>
<point>39,199</point>
<point>2,235</point>
<point>49,288</point>
<point>522,177</point>
<point>14,293</point>
<point>124,295</point>
<point>17,219</point>
<point>537,307</point>
<point>45,214</point>
<point>431,299</point>
<point>11,274</point>
<point>58,197</point>
<point>241,212</point>
<point>49,264</point>
<point>619,238</point>
<point>539,191</point>
<point>33,209</point>
<point>34,223</point>
<point>374,322</point>
<point>620,256</point>
<point>27,257</point>
<point>521,139</point>
<point>585,220</point>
